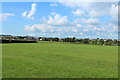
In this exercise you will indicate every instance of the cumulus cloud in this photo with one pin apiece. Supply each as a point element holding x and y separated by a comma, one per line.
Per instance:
<point>92,28</point>
<point>56,19</point>
<point>85,30</point>
<point>24,13</point>
<point>50,24</point>
<point>114,14</point>
<point>114,10</point>
<point>78,25</point>
<point>82,13</point>
<point>79,12</point>
<point>93,13</point>
<point>94,8</point>
<point>4,16</point>
<point>90,25</point>
<point>31,13</point>
<point>91,21</point>
<point>54,4</point>
<point>9,14</point>
<point>38,27</point>
<point>75,30</point>
<point>81,33</point>
<point>46,28</point>
<point>110,28</point>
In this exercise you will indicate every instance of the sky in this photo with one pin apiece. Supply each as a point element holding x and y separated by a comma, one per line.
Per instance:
<point>60,19</point>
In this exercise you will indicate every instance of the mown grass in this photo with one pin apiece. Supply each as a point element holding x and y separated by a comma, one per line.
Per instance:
<point>59,60</point>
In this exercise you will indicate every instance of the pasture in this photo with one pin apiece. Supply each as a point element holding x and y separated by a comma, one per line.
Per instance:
<point>59,60</point>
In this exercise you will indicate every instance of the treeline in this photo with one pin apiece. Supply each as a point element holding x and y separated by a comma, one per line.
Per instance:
<point>30,39</point>
<point>97,41</point>
<point>17,41</point>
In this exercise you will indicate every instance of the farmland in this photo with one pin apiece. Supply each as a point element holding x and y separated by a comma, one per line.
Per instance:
<point>59,60</point>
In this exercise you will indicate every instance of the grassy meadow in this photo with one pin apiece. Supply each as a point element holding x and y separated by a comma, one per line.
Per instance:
<point>59,60</point>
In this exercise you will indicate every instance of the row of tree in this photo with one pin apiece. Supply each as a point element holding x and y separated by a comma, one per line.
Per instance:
<point>84,41</point>
<point>97,41</point>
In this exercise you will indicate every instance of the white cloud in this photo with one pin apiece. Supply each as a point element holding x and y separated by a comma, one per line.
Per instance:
<point>85,30</point>
<point>79,12</point>
<point>54,4</point>
<point>92,21</point>
<point>31,13</point>
<point>75,30</point>
<point>38,27</point>
<point>9,14</point>
<point>110,28</point>
<point>89,26</point>
<point>4,16</point>
<point>50,25</point>
<point>78,25</point>
<point>24,14</point>
<point>51,30</point>
<point>94,8</point>
<point>93,13</point>
<point>97,29</point>
<point>29,29</point>
<point>33,10</point>
<point>114,14</point>
<point>56,19</point>
<point>114,10</point>
<point>81,33</point>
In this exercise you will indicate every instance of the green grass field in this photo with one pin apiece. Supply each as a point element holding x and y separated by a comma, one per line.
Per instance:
<point>59,60</point>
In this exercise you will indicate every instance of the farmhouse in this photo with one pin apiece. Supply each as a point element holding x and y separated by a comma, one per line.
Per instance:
<point>29,38</point>
<point>37,38</point>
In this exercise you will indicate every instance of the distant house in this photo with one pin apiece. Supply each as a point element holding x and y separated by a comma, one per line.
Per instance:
<point>30,38</point>
<point>37,38</point>
<point>40,39</point>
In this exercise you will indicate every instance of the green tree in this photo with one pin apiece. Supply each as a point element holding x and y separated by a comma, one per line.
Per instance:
<point>100,42</point>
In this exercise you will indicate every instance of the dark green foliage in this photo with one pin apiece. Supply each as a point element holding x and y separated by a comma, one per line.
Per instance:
<point>94,41</point>
<point>85,41</point>
<point>17,41</point>
<point>100,42</point>
<point>108,42</point>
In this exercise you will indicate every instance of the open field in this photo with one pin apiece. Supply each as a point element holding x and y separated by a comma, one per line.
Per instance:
<point>59,60</point>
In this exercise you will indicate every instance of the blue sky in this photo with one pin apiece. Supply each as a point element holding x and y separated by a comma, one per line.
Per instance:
<point>60,19</point>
